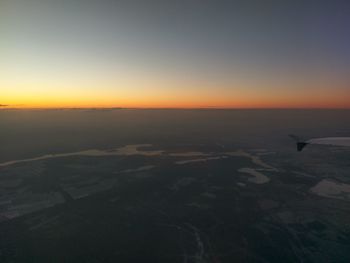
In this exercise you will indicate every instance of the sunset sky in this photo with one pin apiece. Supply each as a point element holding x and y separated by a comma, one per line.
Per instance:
<point>186,54</point>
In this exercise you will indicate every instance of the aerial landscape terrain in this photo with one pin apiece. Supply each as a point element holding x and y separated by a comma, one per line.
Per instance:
<point>176,193</point>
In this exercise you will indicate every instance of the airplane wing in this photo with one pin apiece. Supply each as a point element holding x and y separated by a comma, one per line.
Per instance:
<point>335,141</point>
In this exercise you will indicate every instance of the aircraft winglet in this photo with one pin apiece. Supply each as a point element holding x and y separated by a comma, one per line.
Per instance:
<point>300,144</point>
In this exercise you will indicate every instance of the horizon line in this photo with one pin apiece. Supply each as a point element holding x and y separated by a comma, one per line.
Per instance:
<point>173,108</point>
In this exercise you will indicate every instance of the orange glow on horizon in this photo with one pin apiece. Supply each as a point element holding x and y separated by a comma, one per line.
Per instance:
<point>244,103</point>
<point>173,98</point>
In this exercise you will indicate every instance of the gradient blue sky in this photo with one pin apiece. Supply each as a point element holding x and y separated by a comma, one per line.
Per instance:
<point>89,53</point>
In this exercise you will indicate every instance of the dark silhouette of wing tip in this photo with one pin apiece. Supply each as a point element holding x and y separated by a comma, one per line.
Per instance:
<point>299,142</point>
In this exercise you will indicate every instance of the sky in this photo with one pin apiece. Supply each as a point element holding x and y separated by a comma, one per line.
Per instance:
<point>175,54</point>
